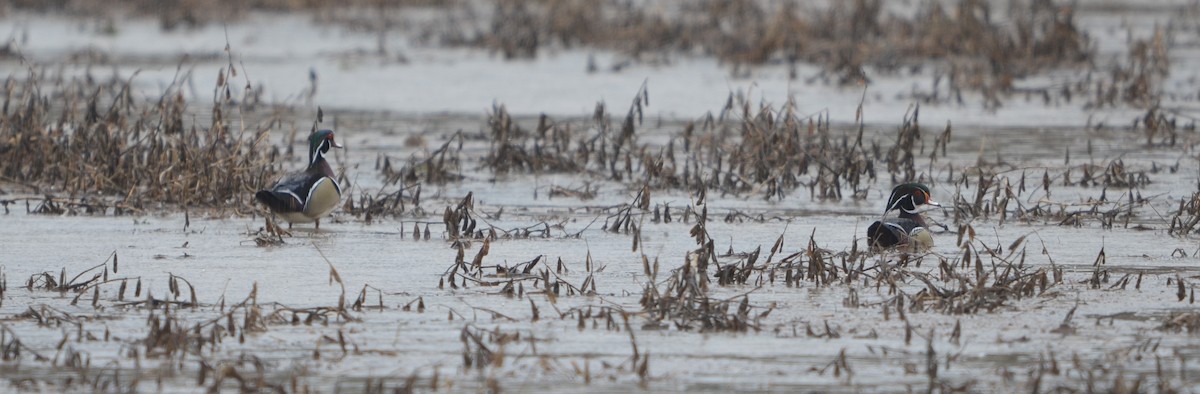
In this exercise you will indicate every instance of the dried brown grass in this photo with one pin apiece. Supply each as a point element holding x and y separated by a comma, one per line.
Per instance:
<point>101,146</point>
<point>764,150</point>
<point>983,48</point>
<point>977,45</point>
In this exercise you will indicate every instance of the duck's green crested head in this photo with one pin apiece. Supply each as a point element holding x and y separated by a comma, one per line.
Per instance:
<point>319,142</point>
<point>908,196</point>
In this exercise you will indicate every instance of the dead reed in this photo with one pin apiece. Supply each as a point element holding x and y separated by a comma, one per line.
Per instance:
<point>609,149</point>
<point>1186,219</point>
<point>80,284</point>
<point>271,234</point>
<point>1182,321</point>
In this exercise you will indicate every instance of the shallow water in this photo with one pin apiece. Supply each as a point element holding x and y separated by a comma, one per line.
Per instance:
<point>816,337</point>
<point>1111,327</point>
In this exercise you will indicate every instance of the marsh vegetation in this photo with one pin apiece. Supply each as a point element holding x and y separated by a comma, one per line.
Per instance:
<point>619,248</point>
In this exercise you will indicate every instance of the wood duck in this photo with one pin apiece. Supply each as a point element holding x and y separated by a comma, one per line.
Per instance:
<point>908,229</point>
<point>307,196</point>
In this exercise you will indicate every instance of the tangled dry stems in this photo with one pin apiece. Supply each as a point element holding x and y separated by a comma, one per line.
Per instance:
<point>86,139</point>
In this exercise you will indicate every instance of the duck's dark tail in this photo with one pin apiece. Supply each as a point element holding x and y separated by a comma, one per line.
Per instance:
<point>274,202</point>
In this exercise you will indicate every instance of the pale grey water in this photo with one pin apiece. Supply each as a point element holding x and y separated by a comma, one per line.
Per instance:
<point>1113,331</point>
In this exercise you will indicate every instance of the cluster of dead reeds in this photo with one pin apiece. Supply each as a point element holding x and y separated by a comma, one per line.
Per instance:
<point>684,299</point>
<point>970,45</point>
<point>982,278</point>
<point>1138,78</point>
<point>771,151</point>
<point>986,194</point>
<point>981,47</point>
<point>1186,219</point>
<point>440,166</point>
<point>197,13</point>
<point>766,150</point>
<point>183,336</point>
<point>99,149</point>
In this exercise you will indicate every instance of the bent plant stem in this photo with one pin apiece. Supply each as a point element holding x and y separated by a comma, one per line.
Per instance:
<point>334,276</point>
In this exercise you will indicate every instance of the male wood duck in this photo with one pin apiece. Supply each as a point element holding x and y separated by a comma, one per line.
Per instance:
<point>908,229</point>
<point>307,196</point>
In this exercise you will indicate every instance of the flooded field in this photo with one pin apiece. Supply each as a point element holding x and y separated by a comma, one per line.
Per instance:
<point>533,225</point>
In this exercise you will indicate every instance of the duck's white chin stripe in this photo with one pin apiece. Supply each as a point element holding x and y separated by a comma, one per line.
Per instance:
<point>319,153</point>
